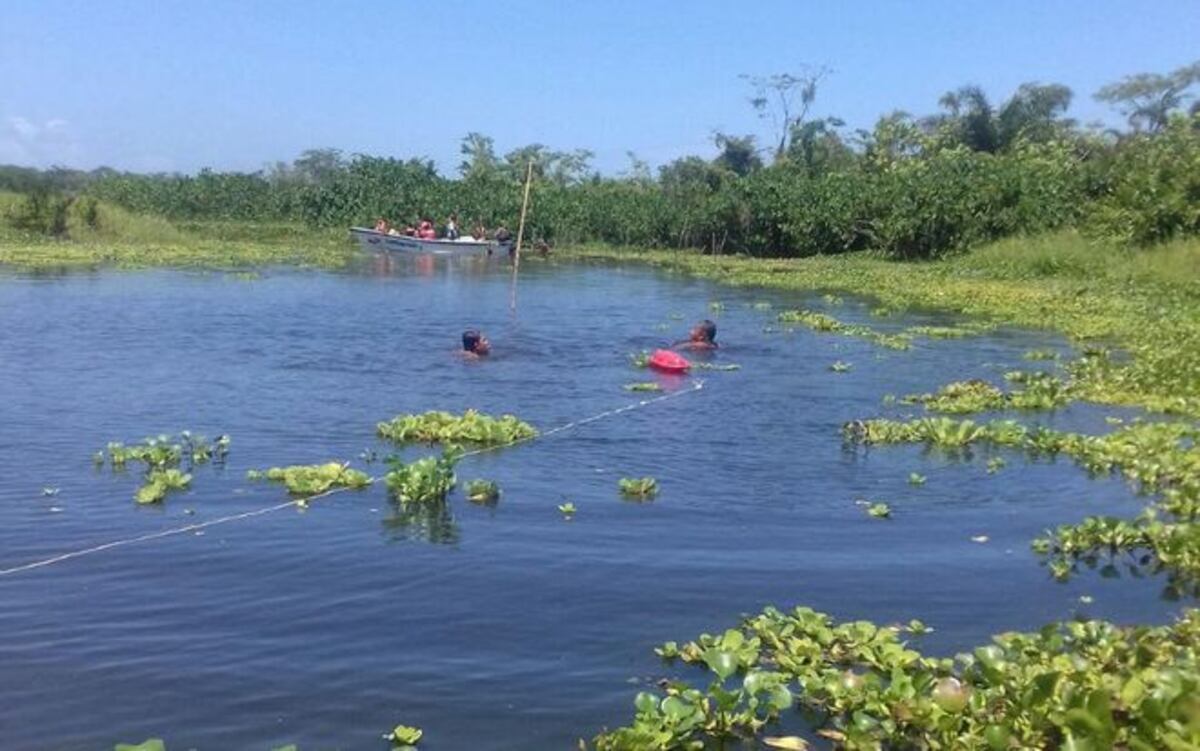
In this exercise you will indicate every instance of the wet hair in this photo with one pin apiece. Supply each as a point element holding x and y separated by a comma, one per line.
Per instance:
<point>709,328</point>
<point>471,339</point>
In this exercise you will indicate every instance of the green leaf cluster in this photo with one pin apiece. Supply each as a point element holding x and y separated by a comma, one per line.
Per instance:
<point>443,427</point>
<point>424,481</point>
<point>314,479</point>
<point>640,488</point>
<point>1078,685</point>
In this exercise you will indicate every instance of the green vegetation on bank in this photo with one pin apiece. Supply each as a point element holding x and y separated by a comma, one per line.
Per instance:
<point>98,233</point>
<point>1142,304</point>
<point>1080,685</point>
<point>909,187</point>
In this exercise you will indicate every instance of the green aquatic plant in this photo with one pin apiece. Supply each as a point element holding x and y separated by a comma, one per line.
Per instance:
<point>879,510</point>
<point>832,299</point>
<point>958,331</point>
<point>916,478</point>
<point>644,386</point>
<point>167,451</point>
<point>313,479</point>
<point>482,491</point>
<point>427,480</point>
<point>567,509</point>
<point>1073,685</point>
<point>995,464</point>
<point>1159,458</point>
<point>828,324</point>
<point>841,367</point>
<point>404,737</point>
<point>159,482</point>
<point>443,427</point>
<point>728,366</point>
<point>150,744</point>
<point>1041,392</point>
<point>642,488</point>
<point>740,700</point>
<point>1040,354</point>
<point>640,359</point>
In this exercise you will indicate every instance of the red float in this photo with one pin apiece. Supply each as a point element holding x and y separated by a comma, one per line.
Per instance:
<point>669,362</point>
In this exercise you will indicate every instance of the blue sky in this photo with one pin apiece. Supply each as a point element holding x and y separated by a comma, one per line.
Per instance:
<point>235,84</point>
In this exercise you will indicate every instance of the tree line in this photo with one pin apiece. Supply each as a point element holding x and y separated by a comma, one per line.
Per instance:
<point>912,187</point>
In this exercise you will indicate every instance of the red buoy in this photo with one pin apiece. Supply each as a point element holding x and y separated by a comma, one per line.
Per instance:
<point>669,362</point>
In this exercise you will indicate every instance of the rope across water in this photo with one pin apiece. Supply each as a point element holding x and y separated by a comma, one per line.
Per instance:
<point>200,526</point>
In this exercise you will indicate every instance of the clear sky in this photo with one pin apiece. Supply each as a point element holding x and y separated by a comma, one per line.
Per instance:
<point>235,84</point>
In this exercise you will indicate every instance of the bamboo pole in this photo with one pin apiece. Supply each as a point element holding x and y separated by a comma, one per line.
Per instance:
<point>524,209</point>
<point>521,232</point>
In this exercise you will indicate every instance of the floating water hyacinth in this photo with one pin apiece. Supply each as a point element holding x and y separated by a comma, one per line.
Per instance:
<point>879,510</point>
<point>646,386</point>
<point>642,488</point>
<point>828,324</point>
<point>159,482</point>
<point>482,491</point>
<point>404,737</point>
<point>443,427</point>
<point>313,479</point>
<point>840,367</point>
<point>427,480</point>
<point>841,669</point>
<point>166,451</point>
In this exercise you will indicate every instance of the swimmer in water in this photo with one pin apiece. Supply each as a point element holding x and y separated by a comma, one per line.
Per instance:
<point>703,338</point>
<point>475,344</point>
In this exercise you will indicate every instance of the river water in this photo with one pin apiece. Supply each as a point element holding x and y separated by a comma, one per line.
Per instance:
<point>492,628</point>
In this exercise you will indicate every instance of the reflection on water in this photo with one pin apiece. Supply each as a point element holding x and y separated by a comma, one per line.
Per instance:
<point>430,522</point>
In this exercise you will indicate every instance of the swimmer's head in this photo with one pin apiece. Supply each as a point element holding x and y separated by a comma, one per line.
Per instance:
<point>475,342</point>
<point>705,331</point>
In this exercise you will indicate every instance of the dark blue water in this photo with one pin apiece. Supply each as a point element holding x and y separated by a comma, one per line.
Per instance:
<point>491,628</point>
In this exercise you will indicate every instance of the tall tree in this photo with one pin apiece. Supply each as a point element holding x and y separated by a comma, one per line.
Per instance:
<point>739,154</point>
<point>785,99</point>
<point>1148,99</point>
<point>1035,113</point>
<point>479,156</point>
<point>817,146</point>
<point>319,166</point>
<point>969,118</point>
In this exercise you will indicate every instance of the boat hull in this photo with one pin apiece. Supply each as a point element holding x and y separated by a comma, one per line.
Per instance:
<point>372,240</point>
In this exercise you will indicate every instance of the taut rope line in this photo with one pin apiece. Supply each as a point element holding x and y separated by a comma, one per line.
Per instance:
<point>199,526</point>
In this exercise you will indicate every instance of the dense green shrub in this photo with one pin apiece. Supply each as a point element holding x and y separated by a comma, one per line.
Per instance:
<point>930,198</point>
<point>1150,190</point>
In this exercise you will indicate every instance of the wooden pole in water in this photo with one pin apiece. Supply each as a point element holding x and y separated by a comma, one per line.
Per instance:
<point>521,232</point>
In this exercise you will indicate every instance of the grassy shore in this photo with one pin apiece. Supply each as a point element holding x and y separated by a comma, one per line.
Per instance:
<point>117,238</point>
<point>1143,303</point>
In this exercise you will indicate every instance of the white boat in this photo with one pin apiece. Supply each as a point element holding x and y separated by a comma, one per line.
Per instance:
<point>373,240</point>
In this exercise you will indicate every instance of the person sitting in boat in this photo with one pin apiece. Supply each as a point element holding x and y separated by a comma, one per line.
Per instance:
<point>426,230</point>
<point>452,227</point>
<point>410,230</point>
<point>479,232</point>
<point>504,240</point>
<point>703,337</point>
<point>475,344</point>
<point>381,225</point>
